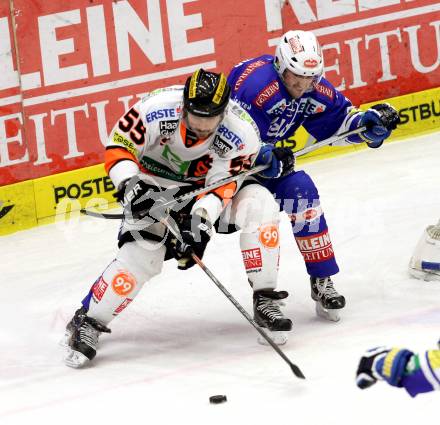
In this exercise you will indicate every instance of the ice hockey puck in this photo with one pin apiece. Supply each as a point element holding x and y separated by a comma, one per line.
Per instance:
<point>217,399</point>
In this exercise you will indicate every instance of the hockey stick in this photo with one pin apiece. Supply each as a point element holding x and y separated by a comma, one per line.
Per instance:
<point>295,369</point>
<point>186,196</point>
<point>227,180</point>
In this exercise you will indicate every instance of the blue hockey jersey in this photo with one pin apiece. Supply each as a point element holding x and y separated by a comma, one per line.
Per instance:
<point>323,110</point>
<point>422,373</point>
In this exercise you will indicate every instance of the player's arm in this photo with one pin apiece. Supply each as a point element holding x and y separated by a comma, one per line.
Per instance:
<point>196,227</point>
<point>212,203</point>
<point>123,150</point>
<point>247,95</point>
<point>124,146</point>
<point>399,367</point>
<point>338,116</point>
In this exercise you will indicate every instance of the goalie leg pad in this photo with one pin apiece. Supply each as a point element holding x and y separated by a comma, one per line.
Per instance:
<point>425,262</point>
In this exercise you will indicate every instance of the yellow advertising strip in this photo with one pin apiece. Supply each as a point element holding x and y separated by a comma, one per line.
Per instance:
<point>40,201</point>
<point>419,113</point>
<point>61,193</point>
<point>17,207</point>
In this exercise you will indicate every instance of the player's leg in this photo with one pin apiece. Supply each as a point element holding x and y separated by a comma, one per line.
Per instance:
<point>299,198</point>
<point>256,213</point>
<point>136,262</point>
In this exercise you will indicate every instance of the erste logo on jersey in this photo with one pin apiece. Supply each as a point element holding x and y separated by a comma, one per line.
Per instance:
<point>162,113</point>
<point>267,93</point>
<point>220,146</point>
<point>230,136</point>
<point>248,71</point>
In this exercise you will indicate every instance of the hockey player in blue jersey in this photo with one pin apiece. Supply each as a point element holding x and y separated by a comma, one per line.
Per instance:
<point>399,367</point>
<point>281,93</point>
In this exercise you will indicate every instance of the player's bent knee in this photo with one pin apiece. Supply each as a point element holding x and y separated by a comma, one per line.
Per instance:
<point>143,264</point>
<point>255,206</point>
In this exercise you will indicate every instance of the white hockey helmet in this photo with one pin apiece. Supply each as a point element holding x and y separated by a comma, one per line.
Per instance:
<point>300,53</point>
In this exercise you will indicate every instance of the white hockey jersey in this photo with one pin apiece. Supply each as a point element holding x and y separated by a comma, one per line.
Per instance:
<point>152,138</point>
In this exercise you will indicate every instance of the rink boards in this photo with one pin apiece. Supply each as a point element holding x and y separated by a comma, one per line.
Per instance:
<point>57,197</point>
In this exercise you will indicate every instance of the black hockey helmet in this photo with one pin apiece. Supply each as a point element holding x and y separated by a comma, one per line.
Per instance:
<point>206,94</point>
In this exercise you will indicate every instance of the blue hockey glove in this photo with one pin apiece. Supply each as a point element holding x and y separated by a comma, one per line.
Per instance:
<point>281,160</point>
<point>380,120</point>
<point>382,363</point>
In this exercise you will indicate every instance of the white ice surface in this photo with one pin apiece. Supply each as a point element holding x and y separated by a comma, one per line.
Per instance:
<point>182,341</point>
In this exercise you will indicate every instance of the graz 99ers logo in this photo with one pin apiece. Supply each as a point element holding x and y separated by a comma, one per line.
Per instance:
<point>123,283</point>
<point>269,236</point>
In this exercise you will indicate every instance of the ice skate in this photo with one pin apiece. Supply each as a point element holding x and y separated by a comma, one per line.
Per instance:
<point>81,339</point>
<point>267,314</point>
<point>328,300</point>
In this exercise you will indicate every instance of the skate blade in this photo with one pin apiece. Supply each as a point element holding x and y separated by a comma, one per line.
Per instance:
<point>327,314</point>
<point>74,359</point>
<point>64,341</point>
<point>278,337</point>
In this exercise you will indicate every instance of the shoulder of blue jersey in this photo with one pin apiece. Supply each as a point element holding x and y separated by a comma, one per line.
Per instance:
<point>324,91</point>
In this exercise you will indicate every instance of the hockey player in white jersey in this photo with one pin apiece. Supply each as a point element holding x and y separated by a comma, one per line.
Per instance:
<point>173,140</point>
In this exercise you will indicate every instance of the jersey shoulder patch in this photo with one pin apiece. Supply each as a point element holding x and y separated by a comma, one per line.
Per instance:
<point>250,68</point>
<point>325,90</point>
<point>268,92</point>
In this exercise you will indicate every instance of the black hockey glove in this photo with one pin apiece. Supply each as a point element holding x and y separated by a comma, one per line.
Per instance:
<point>196,232</point>
<point>380,120</point>
<point>281,161</point>
<point>137,195</point>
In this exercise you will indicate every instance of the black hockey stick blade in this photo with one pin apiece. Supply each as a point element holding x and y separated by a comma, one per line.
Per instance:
<point>297,371</point>
<point>101,215</point>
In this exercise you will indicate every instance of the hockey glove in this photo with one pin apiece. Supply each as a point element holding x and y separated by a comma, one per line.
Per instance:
<point>281,161</point>
<point>137,195</point>
<point>380,120</point>
<point>195,232</point>
<point>382,363</point>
